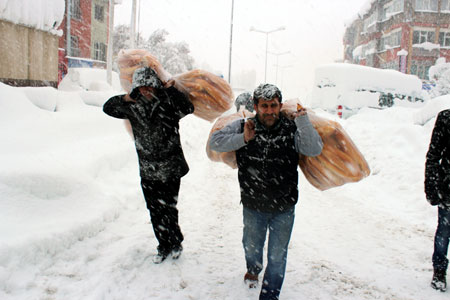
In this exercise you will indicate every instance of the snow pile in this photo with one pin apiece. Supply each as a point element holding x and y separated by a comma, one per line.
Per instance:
<point>44,15</point>
<point>89,79</point>
<point>44,194</point>
<point>402,52</point>
<point>91,85</point>
<point>427,46</point>
<point>346,84</point>
<point>436,71</point>
<point>431,109</point>
<point>74,223</point>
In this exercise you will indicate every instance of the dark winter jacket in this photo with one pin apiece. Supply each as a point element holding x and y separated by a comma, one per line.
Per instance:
<point>156,131</point>
<point>437,167</point>
<point>268,175</point>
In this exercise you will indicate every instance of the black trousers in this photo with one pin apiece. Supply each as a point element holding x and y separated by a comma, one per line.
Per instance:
<point>161,198</point>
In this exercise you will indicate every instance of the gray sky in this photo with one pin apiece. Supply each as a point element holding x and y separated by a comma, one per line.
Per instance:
<point>313,35</point>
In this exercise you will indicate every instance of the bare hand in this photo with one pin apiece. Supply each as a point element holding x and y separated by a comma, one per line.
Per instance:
<point>169,83</point>
<point>300,112</point>
<point>127,98</point>
<point>249,131</point>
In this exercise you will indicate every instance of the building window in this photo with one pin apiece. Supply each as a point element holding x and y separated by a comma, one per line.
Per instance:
<point>392,65</point>
<point>444,39</point>
<point>75,9</point>
<point>74,46</point>
<point>99,15</point>
<point>392,8</point>
<point>390,41</point>
<point>100,51</point>
<point>420,70</point>
<point>370,22</point>
<point>422,36</point>
<point>445,5</point>
<point>427,5</point>
<point>369,49</point>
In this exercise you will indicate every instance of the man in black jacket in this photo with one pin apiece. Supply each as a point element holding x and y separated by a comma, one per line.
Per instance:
<point>154,111</point>
<point>267,149</point>
<point>437,190</point>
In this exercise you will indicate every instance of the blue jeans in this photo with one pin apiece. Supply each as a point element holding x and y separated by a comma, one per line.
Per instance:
<point>441,240</point>
<point>255,230</point>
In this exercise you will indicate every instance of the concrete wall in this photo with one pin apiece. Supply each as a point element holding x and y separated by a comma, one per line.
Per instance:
<point>28,57</point>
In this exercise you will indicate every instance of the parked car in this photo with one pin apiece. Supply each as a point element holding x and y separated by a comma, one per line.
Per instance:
<point>355,86</point>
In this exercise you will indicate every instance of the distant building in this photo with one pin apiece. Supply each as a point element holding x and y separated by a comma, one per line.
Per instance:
<point>404,35</point>
<point>29,42</point>
<point>87,32</point>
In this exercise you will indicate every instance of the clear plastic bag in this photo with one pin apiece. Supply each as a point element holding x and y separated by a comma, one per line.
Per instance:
<point>210,94</point>
<point>340,161</point>
<point>228,158</point>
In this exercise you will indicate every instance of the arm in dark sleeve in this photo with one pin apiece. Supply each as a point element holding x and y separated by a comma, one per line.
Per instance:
<point>181,103</point>
<point>433,171</point>
<point>117,107</point>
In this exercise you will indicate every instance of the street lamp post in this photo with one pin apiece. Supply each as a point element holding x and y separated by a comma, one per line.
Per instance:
<point>231,42</point>
<point>267,43</point>
<point>278,55</point>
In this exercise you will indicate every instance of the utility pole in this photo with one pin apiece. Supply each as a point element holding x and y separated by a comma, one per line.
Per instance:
<point>231,42</point>
<point>68,36</point>
<point>133,25</point>
<point>110,43</point>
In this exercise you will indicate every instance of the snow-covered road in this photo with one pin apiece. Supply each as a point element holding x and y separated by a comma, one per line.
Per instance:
<point>74,223</point>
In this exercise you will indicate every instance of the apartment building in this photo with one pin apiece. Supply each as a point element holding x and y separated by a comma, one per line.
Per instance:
<point>404,35</point>
<point>85,25</point>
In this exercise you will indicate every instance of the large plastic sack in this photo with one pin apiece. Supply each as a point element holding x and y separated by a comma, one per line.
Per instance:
<point>228,158</point>
<point>131,59</point>
<point>340,161</point>
<point>210,94</point>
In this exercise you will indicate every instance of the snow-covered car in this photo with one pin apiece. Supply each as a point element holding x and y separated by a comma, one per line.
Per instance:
<point>355,86</point>
<point>89,79</point>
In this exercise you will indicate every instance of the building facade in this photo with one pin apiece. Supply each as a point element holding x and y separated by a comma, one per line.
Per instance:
<point>85,25</point>
<point>404,35</point>
<point>28,56</point>
<point>29,42</point>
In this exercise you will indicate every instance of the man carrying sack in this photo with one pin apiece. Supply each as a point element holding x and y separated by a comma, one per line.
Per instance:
<point>154,111</point>
<point>267,152</point>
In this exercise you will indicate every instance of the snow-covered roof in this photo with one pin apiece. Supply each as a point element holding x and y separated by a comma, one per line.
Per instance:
<point>44,15</point>
<point>362,11</point>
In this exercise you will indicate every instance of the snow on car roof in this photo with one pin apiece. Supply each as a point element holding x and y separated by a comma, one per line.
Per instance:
<point>356,77</point>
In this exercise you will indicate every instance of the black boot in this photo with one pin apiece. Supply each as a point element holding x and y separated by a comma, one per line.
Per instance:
<point>176,252</point>
<point>161,256</point>
<point>439,282</point>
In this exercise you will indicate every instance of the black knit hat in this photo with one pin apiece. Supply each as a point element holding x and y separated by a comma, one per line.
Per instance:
<point>144,77</point>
